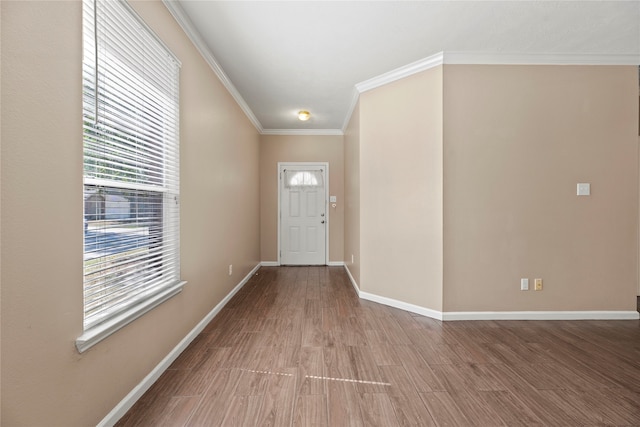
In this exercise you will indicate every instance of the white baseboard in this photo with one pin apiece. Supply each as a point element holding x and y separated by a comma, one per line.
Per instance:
<point>392,302</point>
<point>335,263</point>
<point>494,315</point>
<point>434,314</point>
<point>541,315</point>
<point>502,315</point>
<point>353,281</point>
<point>135,394</point>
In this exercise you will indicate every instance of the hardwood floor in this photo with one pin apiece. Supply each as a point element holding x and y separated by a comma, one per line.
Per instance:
<point>296,347</point>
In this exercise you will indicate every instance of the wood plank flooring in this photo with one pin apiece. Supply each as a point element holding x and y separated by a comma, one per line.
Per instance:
<point>296,347</point>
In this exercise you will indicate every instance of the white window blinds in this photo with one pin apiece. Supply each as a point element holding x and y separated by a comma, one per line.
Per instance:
<point>131,166</point>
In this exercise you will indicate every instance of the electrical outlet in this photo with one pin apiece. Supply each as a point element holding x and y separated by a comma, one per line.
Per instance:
<point>352,259</point>
<point>230,269</point>
<point>524,284</point>
<point>538,284</point>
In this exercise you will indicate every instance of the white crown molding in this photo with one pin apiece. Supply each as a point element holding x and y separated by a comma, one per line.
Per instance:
<point>440,58</point>
<point>487,58</point>
<point>401,73</point>
<point>354,101</point>
<point>300,132</point>
<point>187,26</point>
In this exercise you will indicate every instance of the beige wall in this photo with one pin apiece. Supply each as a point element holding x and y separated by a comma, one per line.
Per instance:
<point>352,195</point>
<point>44,380</point>
<point>517,141</point>
<point>464,180</point>
<point>286,148</point>
<point>401,190</point>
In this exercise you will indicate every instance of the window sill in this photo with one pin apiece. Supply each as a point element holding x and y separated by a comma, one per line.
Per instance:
<point>96,334</point>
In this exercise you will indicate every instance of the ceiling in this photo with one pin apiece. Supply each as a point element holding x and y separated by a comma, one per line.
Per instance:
<point>278,57</point>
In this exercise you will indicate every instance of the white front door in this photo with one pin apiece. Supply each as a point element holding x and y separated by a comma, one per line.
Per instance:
<point>303,221</point>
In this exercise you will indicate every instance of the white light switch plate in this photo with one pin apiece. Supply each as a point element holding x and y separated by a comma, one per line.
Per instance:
<point>584,189</point>
<point>333,199</point>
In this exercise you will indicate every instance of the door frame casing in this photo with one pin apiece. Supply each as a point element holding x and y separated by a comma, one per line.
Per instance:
<point>325,166</point>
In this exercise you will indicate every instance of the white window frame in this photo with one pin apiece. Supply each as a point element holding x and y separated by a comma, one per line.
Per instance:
<point>114,318</point>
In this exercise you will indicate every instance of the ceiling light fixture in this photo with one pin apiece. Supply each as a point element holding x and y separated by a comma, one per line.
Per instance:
<point>304,115</point>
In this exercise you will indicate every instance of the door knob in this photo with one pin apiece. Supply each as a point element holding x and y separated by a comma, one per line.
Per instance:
<point>322,214</point>
<point>322,222</point>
